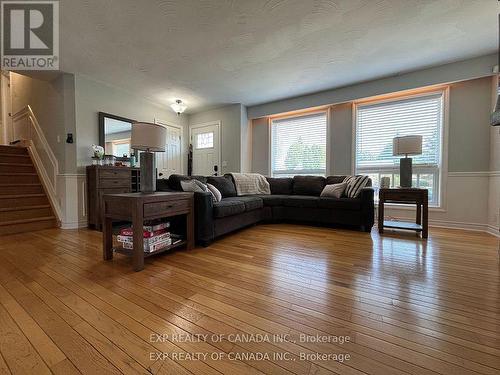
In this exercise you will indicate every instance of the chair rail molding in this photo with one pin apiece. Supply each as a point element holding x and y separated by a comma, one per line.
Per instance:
<point>474,174</point>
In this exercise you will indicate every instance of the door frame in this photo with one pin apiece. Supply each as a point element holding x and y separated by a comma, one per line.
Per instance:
<point>217,124</point>
<point>6,103</point>
<point>181,128</point>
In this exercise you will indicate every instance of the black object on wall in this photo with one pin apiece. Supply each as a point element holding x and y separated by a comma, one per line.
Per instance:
<point>190,160</point>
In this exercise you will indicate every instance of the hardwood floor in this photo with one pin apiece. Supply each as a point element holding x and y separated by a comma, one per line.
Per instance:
<point>404,305</point>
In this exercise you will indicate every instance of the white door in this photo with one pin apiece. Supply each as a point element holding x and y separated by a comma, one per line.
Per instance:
<point>170,161</point>
<point>206,149</point>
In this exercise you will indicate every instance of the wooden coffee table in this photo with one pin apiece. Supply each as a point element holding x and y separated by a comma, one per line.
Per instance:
<point>419,197</point>
<point>139,207</point>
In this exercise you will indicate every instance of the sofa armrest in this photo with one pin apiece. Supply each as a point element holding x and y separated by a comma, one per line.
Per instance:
<point>368,207</point>
<point>203,217</point>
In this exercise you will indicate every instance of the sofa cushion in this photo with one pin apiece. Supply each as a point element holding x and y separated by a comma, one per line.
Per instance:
<point>308,185</point>
<point>228,207</point>
<point>302,201</point>
<point>174,181</point>
<point>274,200</point>
<point>194,186</point>
<point>251,202</point>
<point>355,184</point>
<point>340,203</point>
<point>334,190</point>
<point>224,184</point>
<point>330,180</point>
<point>282,185</point>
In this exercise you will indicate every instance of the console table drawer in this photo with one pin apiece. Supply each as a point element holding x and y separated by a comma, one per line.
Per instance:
<point>153,209</point>
<point>114,183</point>
<point>114,173</point>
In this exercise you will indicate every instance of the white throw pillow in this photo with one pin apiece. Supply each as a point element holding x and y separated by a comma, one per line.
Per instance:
<point>334,190</point>
<point>216,194</point>
<point>355,184</point>
<point>194,186</point>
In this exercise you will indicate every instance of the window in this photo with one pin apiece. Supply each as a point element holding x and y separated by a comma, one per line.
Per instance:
<point>298,145</point>
<point>121,148</point>
<point>377,124</point>
<point>205,140</point>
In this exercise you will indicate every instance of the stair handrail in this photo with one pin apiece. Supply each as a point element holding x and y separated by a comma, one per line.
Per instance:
<point>33,131</point>
<point>27,129</point>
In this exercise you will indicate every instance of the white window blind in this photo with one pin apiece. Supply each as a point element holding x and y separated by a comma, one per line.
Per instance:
<point>298,145</point>
<point>376,126</point>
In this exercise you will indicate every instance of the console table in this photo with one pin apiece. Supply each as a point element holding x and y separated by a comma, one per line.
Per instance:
<point>139,207</point>
<point>419,197</point>
<point>103,179</point>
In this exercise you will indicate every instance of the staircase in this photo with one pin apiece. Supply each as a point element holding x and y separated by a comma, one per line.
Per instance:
<point>24,206</point>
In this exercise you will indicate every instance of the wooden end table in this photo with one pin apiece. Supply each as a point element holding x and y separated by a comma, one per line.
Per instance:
<point>138,207</point>
<point>419,197</point>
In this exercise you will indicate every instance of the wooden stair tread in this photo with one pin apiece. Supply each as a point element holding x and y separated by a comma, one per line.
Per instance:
<point>13,155</point>
<point>24,208</point>
<point>17,174</point>
<point>18,150</point>
<point>23,221</point>
<point>16,164</point>
<point>21,184</point>
<point>22,196</point>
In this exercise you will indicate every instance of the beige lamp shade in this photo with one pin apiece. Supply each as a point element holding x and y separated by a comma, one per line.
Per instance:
<point>148,137</point>
<point>408,145</point>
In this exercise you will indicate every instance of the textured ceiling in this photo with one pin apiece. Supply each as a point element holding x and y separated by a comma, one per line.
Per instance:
<point>213,52</point>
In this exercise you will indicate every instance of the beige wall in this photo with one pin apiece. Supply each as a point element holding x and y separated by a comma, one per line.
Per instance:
<point>494,181</point>
<point>260,146</point>
<point>469,139</point>
<point>230,117</point>
<point>53,104</point>
<point>92,97</point>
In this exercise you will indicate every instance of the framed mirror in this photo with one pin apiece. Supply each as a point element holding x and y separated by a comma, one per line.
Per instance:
<point>115,135</point>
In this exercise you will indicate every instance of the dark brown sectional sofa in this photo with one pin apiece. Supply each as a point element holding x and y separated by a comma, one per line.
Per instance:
<point>294,199</point>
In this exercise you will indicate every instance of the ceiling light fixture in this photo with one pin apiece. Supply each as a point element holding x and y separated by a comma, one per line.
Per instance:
<point>178,107</point>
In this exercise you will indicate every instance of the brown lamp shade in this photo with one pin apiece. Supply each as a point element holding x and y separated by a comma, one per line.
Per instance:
<point>148,137</point>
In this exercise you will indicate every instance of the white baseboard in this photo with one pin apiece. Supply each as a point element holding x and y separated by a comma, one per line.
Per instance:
<point>476,227</point>
<point>494,231</point>
<point>74,224</point>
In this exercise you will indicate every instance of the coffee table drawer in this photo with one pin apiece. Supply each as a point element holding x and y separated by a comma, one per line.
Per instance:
<point>153,209</point>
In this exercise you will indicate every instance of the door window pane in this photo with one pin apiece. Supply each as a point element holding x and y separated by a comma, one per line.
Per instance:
<point>205,140</point>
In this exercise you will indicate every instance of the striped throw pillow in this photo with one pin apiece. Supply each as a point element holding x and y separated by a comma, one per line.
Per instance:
<point>355,184</point>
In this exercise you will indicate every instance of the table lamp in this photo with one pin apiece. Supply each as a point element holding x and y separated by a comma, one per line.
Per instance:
<point>149,138</point>
<point>408,145</point>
